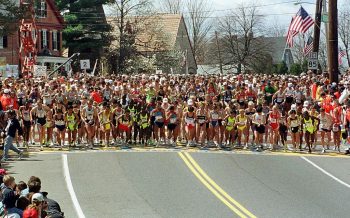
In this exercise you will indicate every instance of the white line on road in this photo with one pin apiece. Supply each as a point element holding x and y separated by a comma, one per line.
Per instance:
<point>70,187</point>
<point>325,172</point>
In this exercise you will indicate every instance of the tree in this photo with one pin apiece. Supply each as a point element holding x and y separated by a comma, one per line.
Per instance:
<point>241,43</point>
<point>10,15</point>
<point>344,29</point>
<point>295,69</point>
<point>282,68</point>
<point>129,18</point>
<point>87,31</point>
<point>199,25</point>
<point>276,29</point>
<point>172,6</point>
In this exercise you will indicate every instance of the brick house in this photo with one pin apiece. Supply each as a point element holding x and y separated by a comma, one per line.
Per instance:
<point>49,25</point>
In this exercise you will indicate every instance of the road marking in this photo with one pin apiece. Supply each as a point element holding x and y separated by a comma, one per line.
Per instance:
<point>70,187</point>
<point>326,173</point>
<point>205,175</point>
<point>213,187</point>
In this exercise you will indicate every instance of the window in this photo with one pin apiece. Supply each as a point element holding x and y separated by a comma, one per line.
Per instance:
<point>44,39</point>
<point>54,41</point>
<point>3,42</point>
<point>41,9</point>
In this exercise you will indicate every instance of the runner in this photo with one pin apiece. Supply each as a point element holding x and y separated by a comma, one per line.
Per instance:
<point>173,122</point>
<point>89,116</point>
<point>242,127</point>
<point>105,120</point>
<point>259,122</point>
<point>39,114</point>
<point>274,119</point>
<point>326,124</point>
<point>60,127</point>
<point>293,123</point>
<point>72,125</point>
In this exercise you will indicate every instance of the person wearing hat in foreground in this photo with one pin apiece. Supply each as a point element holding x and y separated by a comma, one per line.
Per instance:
<point>11,129</point>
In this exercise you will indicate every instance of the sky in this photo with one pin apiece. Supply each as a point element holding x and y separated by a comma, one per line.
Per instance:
<point>277,12</point>
<point>280,13</point>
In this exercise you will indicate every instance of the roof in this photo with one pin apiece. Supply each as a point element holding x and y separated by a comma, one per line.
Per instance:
<point>160,31</point>
<point>278,44</point>
<point>56,11</point>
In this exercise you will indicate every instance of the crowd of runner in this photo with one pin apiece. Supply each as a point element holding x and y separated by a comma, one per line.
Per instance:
<point>236,111</point>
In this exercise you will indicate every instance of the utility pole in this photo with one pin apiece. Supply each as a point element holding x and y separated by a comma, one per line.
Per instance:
<point>317,25</point>
<point>325,12</point>
<point>332,48</point>
<point>219,52</point>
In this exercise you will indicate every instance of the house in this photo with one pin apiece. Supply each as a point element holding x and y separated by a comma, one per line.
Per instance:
<point>272,49</point>
<point>168,33</point>
<point>49,27</point>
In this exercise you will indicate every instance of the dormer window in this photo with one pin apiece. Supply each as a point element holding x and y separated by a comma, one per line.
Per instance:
<point>41,9</point>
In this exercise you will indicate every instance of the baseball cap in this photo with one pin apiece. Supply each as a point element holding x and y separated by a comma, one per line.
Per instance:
<point>6,91</point>
<point>37,197</point>
<point>190,102</point>
<point>165,100</point>
<point>30,213</point>
<point>306,104</point>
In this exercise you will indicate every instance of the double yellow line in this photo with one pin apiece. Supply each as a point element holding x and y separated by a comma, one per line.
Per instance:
<point>214,188</point>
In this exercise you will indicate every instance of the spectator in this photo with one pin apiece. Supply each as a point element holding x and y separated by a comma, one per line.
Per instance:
<point>10,196</point>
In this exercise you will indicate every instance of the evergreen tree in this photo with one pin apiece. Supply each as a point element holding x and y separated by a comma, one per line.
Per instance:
<point>10,15</point>
<point>87,31</point>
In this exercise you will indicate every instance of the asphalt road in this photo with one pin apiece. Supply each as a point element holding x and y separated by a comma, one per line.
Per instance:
<point>162,184</point>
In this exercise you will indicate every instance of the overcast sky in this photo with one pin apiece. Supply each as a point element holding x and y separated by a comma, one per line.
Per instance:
<point>281,12</point>
<point>276,11</point>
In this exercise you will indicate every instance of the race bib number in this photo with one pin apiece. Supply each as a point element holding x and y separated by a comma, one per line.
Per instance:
<point>273,120</point>
<point>173,120</point>
<point>159,117</point>
<point>215,116</point>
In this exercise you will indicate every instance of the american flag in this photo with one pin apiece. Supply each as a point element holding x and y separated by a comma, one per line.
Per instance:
<point>300,23</point>
<point>309,45</point>
<point>341,54</point>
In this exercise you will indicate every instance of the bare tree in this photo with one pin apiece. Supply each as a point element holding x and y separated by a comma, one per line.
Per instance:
<point>241,42</point>
<point>172,6</point>
<point>199,25</point>
<point>344,29</point>
<point>127,16</point>
<point>276,29</point>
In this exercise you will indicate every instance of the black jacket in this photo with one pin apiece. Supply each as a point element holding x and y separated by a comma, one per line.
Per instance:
<point>12,126</point>
<point>9,197</point>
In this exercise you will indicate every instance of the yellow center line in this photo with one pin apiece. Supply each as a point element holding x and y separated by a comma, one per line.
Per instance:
<point>217,187</point>
<point>210,188</point>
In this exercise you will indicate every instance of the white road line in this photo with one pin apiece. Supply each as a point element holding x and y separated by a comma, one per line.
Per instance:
<point>70,187</point>
<point>325,172</point>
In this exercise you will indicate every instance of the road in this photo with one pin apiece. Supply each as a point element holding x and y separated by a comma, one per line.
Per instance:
<point>191,184</point>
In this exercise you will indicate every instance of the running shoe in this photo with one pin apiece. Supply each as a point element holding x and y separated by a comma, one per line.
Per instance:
<point>20,155</point>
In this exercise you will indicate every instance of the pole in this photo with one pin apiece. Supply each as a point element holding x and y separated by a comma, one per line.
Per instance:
<point>186,62</point>
<point>219,52</point>
<point>55,70</point>
<point>93,71</point>
<point>317,29</point>
<point>325,12</point>
<point>332,49</point>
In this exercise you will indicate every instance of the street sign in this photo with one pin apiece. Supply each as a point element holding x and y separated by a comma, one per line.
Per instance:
<point>312,64</point>
<point>313,61</point>
<point>313,55</point>
<point>85,64</point>
<point>39,71</point>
